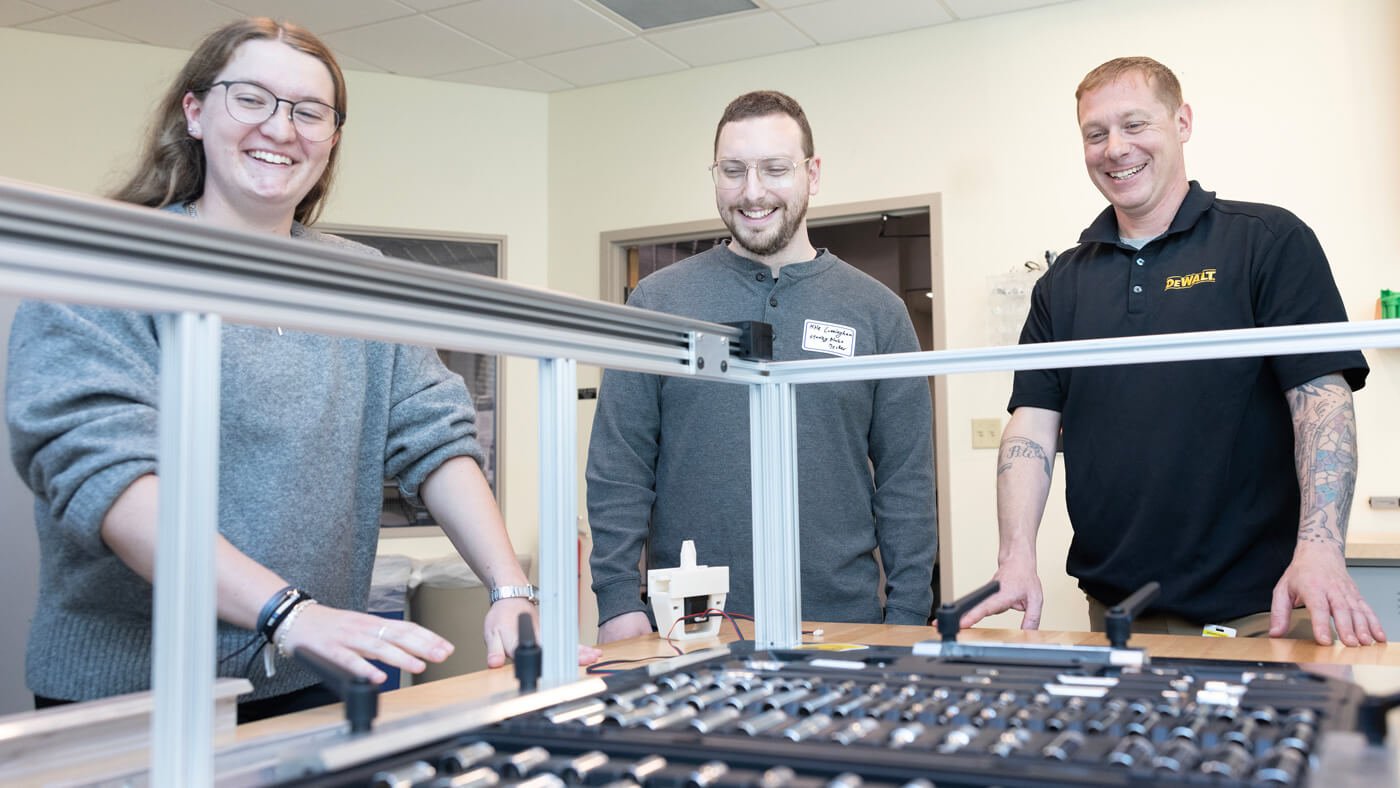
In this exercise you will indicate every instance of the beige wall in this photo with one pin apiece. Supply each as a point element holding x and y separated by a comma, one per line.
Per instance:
<point>1294,104</point>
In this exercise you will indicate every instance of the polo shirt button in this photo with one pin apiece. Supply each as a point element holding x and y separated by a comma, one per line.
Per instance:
<point>1139,261</point>
<point>759,276</point>
<point>772,302</point>
<point>1137,288</point>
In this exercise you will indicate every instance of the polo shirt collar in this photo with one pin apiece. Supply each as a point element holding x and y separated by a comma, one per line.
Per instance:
<point>1105,228</point>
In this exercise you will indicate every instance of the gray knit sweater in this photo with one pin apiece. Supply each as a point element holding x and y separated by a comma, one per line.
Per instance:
<point>310,427</point>
<point>672,453</point>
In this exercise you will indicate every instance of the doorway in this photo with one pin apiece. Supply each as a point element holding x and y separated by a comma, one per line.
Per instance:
<point>898,241</point>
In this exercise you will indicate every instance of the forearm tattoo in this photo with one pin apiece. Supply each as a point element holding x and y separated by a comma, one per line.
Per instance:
<point>1017,447</point>
<point>1324,427</point>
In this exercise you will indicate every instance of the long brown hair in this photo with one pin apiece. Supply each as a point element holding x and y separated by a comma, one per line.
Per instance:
<point>171,167</point>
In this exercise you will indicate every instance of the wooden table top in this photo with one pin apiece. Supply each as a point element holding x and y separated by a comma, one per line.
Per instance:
<point>458,689</point>
<point>1377,546</point>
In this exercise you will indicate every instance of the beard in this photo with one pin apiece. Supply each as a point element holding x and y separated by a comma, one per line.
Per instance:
<point>764,243</point>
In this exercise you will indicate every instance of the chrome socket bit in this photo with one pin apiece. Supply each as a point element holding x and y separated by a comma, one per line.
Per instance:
<point>628,698</point>
<point>1282,766</point>
<point>707,774</point>
<point>905,735</point>
<point>764,722</point>
<point>1230,761</point>
<point>856,731</point>
<point>958,738</point>
<point>404,776</point>
<point>1011,741</point>
<point>1131,751</point>
<point>480,777</point>
<point>751,696</point>
<point>675,716</point>
<point>808,727</point>
<point>714,720</point>
<point>464,758</point>
<point>576,770</point>
<point>1064,746</point>
<point>1178,757</point>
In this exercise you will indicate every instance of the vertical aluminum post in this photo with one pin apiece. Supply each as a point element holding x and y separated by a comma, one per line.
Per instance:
<point>559,520</point>
<point>777,581</point>
<point>182,674</point>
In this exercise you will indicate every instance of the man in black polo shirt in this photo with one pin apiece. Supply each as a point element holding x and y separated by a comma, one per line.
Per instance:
<point>1228,481</point>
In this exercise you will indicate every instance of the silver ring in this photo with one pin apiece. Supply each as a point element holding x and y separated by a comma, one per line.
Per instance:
<point>380,634</point>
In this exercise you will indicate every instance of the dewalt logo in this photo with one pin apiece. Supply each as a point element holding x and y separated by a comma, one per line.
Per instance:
<point>1191,280</point>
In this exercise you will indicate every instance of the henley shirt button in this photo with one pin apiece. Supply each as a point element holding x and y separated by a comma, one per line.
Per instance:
<point>1137,288</point>
<point>759,276</point>
<point>772,302</point>
<point>1139,261</point>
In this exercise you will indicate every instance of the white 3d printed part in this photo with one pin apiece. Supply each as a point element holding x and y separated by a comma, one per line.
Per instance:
<point>670,588</point>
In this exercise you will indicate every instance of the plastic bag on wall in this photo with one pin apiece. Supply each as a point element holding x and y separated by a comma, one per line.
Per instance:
<point>1009,301</point>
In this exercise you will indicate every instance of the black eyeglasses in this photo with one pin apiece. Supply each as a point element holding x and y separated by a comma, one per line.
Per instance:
<point>251,103</point>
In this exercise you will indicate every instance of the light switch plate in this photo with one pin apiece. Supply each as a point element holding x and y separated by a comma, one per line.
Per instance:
<point>986,433</point>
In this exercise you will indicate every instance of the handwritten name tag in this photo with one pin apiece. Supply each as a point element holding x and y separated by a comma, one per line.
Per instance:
<point>832,338</point>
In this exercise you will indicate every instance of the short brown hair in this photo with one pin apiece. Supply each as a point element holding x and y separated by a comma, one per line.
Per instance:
<point>767,102</point>
<point>171,167</point>
<point>1158,77</point>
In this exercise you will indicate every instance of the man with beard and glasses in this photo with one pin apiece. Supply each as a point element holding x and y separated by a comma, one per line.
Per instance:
<point>669,458</point>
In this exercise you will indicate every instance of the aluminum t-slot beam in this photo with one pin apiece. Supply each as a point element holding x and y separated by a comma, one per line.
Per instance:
<point>777,580</point>
<point>73,249</point>
<point>559,519</point>
<point>1191,346</point>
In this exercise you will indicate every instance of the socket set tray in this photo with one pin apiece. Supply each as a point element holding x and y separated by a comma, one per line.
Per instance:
<point>889,716</point>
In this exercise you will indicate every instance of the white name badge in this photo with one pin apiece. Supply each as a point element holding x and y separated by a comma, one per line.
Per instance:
<point>832,338</point>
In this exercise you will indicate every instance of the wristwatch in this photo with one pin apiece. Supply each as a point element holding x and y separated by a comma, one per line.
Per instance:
<point>514,592</point>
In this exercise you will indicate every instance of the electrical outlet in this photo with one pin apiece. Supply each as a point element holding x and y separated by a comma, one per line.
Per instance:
<point>986,433</point>
<point>1385,501</point>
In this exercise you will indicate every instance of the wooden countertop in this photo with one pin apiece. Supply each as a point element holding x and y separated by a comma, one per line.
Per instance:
<point>433,695</point>
<point>1374,546</point>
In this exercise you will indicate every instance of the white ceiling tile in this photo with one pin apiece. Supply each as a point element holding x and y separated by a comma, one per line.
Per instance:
<point>843,20</point>
<point>70,26</point>
<point>65,6</point>
<point>613,62</point>
<point>527,28</point>
<point>323,16</point>
<point>786,3</point>
<point>726,40</point>
<point>517,75</point>
<point>348,63</point>
<point>180,25</point>
<point>431,5</point>
<point>970,9</point>
<point>415,46</point>
<point>17,12</point>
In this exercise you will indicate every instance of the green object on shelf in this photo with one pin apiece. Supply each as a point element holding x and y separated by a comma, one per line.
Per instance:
<point>1390,304</point>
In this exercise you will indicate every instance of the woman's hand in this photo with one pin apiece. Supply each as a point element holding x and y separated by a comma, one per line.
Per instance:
<point>503,632</point>
<point>351,639</point>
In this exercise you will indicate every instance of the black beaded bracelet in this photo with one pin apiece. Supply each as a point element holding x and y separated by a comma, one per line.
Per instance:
<point>275,611</point>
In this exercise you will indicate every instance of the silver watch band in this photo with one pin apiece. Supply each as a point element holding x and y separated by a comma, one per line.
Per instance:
<point>514,592</point>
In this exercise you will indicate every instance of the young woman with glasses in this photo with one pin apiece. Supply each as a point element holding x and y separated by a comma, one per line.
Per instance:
<point>311,425</point>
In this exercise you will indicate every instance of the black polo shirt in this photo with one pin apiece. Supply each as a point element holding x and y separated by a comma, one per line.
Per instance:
<point>1183,472</point>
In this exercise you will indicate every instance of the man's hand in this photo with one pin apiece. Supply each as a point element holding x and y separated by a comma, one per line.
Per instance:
<point>627,625</point>
<point>1318,579</point>
<point>1020,590</point>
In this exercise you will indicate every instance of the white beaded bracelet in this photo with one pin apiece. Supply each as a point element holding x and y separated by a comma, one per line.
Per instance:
<point>286,627</point>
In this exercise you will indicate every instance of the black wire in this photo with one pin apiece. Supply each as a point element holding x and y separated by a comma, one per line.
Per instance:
<point>600,667</point>
<point>247,669</point>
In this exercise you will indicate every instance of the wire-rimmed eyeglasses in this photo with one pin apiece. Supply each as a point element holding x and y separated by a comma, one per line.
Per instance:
<point>253,104</point>
<point>774,172</point>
